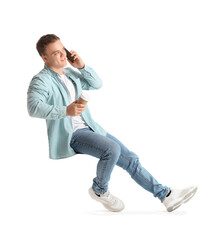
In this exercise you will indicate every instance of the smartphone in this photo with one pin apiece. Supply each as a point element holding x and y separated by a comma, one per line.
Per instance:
<point>68,54</point>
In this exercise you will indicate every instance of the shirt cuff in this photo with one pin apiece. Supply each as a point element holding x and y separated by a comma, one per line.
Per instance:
<point>63,111</point>
<point>82,70</point>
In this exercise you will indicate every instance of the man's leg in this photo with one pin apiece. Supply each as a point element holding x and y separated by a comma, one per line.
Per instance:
<point>86,141</point>
<point>129,161</point>
<point>111,152</point>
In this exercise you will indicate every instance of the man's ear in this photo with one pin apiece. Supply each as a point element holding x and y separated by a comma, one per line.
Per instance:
<point>44,57</point>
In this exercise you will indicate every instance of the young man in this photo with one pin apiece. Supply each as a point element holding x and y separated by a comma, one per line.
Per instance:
<point>53,95</point>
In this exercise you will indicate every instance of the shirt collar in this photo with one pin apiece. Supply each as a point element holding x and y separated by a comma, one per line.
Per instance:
<point>52,72</point>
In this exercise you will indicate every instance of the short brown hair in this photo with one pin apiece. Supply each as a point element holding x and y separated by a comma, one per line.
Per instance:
<point>44,41</point>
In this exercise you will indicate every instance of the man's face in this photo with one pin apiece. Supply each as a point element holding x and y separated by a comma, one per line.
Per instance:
<point>55,55</point>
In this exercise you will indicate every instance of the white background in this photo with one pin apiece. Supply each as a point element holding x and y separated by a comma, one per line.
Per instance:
<point>156,61</point>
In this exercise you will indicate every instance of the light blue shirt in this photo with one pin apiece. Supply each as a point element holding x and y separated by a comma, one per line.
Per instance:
<point>48,99</point>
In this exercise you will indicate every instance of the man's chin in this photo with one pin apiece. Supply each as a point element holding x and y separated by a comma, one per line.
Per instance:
<point>64,64</point>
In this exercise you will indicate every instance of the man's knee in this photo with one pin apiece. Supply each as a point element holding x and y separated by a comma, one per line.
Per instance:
<point>113,150</point>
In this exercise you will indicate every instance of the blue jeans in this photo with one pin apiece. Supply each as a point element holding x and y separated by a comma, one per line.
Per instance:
<point>111,152</point>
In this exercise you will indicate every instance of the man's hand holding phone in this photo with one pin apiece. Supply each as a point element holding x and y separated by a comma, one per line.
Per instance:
<point>74,59</point>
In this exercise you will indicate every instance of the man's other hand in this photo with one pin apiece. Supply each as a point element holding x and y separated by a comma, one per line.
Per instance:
<point>75,109</point>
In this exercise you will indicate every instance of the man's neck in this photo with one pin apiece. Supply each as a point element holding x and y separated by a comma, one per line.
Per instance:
<point>57,70</point>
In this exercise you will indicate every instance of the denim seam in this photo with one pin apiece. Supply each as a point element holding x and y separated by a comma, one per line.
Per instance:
<point>146,179</point>
<point>136,172</point>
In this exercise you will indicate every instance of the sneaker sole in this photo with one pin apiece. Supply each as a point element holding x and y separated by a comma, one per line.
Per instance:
<point>113,210</point>
<point>184,200</point>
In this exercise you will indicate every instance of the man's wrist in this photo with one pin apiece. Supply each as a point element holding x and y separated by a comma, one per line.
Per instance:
<point>82,66</point>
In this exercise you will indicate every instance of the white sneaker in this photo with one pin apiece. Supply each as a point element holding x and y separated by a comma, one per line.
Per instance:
<point>109,201</point>
<point>178,197</point>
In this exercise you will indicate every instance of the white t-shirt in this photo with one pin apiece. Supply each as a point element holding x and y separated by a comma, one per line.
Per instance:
<point>77,121</point>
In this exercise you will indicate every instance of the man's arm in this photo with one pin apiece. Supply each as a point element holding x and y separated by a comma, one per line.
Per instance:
<point>37,106</point>
<point>88,77</point>
<point>37,103</point>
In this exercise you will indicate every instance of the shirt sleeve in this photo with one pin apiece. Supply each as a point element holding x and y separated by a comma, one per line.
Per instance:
<point>37,97</point>
<point>89,78</point>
